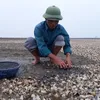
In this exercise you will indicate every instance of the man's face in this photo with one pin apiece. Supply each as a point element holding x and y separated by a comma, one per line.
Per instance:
<point>52,23</point>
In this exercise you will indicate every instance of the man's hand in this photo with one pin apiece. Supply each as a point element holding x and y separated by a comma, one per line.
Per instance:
<point>56,60</point>
<point>68,60</point>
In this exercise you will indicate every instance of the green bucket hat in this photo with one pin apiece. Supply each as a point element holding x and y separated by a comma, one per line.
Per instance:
<point>53,13</point>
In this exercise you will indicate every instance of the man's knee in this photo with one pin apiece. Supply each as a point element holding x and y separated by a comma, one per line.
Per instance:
<point>59,41</point>
<point>30,43</point>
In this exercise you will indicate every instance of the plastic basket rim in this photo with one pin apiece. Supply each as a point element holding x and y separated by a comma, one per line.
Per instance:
<point>9,68</point>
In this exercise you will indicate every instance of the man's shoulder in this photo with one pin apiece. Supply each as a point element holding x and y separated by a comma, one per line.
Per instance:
<point>61,27</point>
<point>41,24</point>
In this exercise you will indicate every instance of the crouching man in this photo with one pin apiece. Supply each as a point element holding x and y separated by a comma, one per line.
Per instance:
<point>50,37</point>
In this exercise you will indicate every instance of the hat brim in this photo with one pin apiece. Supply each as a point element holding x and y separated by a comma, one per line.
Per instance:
<point>53,17</point>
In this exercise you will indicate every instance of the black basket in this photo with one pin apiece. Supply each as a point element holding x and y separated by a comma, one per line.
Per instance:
<point>8,69</point>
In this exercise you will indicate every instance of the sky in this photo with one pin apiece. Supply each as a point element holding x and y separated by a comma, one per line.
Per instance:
<point>81,18</point>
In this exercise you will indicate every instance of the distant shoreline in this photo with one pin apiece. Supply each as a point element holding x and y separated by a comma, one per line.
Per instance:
<point>25,38</point>
<point>84,38</point>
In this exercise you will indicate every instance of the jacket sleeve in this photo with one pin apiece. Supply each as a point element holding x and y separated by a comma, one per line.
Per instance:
<point>67,47</point>
<point>42,47</point>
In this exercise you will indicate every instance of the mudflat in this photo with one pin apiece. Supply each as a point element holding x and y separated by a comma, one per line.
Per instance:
<point>45,81</point>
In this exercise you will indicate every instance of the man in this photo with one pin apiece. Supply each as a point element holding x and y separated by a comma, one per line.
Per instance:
<point>50,37</point>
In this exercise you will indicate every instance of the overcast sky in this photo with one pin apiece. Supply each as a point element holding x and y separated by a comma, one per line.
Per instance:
<point>81,18</point>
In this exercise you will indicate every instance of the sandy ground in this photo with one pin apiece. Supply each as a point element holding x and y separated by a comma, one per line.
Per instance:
<point>85,59</point>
